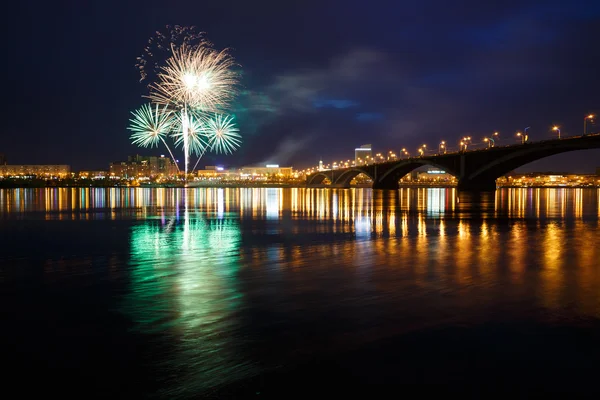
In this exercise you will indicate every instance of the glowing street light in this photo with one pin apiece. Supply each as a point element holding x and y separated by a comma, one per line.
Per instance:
<point>585,121</point>
<point>489,141</point>
<point>519,134</point>
<point>556,128</point>
<point>525,135</point>
<point>421,151</point>
<point>442,146</point>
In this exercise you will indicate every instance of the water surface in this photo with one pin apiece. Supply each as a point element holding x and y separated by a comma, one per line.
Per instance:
<point>174,292</point>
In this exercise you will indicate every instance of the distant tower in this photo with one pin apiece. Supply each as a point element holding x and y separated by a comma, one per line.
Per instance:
<point>361,153</point>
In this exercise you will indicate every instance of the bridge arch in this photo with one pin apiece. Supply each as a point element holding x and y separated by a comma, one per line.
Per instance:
<point>318,178</point>
<point>391,177</point>
<point>346,177</point>
<point>509,162</point>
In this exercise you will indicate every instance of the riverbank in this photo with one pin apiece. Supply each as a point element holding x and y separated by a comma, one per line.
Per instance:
<point>33,183</point>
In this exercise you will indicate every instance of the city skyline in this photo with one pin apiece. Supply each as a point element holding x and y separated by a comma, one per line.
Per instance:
<point>412,73</point>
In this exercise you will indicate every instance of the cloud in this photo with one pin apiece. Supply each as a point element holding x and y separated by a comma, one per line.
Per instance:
<point>478,78</point>
<point>369,116</point>
<point>334,103</point>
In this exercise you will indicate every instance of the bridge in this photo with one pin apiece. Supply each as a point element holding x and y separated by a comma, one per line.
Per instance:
<point>476,170</point>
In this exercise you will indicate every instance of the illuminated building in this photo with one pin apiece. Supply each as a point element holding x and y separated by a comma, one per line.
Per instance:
<point>537,179</point>
<point>42,171</point>
<point>362,153</point>
<point>93,174</point>
<point>141,166</point>
<point>268,172</point>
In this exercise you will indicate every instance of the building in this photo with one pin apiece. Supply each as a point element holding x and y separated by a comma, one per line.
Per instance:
<point>92,174</point>
<point>268,171</point>
<point>214,172</point>
<point>40,171</point>
<point>143,167</point>
<point>2,159</point>
<point>551,179</point>
<point>363,154</point>
<point>598,171</point>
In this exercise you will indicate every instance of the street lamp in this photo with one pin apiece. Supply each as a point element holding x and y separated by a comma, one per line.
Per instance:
<point>525,135</point>
<point>519,134</point>
<point>556,128</point>
<point>489,141</point>
<point>421,151</point>
<point>442,146</point>
<point>585,120</point>
<point>465,142</point>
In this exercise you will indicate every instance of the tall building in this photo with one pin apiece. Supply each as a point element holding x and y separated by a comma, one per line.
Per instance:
<point>362,154</point>
<point>2,159</point>
<point>143,166</point>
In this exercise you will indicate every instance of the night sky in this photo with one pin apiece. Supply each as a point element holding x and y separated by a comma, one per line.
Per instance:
<point>319,77</point>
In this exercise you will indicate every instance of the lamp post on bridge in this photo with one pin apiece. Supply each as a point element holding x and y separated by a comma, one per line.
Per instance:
<point>442,146</point>
<point>525,135</point>
<point>519,134</point>
<point>464,143</point>
<point>556,128</point>
<point>490,140</point>
<point>585,121</point>
<point>405,152</point>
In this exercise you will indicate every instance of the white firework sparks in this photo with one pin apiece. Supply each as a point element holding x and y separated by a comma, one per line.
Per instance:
<point>196,140</point>
<point>222,134</point>
<point>150,125</point>
<point>193,82</point>
<point>197,78</point>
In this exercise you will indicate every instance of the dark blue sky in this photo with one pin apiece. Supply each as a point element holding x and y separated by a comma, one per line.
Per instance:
<point>319,77</point>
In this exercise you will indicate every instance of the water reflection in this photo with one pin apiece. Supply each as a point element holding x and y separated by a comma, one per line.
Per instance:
<point>222,283</point>
<point>184,284</point>
<point>330,204</point>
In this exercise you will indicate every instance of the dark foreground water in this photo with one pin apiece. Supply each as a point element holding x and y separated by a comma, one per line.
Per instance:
<point>249,292</point>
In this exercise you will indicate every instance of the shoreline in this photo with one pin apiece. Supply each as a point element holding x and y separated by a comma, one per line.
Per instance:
<point>274,185</point>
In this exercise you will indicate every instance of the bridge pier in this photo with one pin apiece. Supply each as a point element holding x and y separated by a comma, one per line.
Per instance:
<point>340,186</point>
<point>386,185</point>
<point>477,186</point>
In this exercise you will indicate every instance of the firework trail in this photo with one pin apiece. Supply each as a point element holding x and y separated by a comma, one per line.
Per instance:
<point>160,46</point>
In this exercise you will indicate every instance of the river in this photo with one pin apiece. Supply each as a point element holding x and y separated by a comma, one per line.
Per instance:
<point>174,293</point>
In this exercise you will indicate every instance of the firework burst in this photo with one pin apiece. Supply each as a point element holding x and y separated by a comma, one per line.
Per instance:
<point>200,78</point>
<point>150,126</point>
<point>222,134</point>
<point>194,82</point>
<point>160,46</point>
<point>196,139</point>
